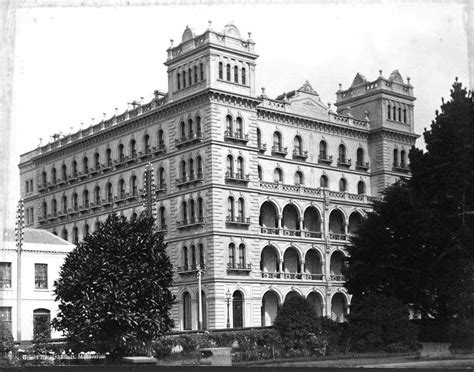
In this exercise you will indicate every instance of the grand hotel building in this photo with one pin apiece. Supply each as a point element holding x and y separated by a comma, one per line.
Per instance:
<point>264,193</point>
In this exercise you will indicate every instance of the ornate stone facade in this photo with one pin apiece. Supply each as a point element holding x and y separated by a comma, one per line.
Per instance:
<point>261,192</point>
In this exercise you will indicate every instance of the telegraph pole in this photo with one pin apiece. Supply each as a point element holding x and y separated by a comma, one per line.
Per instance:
<point>20,222</point>
<point>200,271</point>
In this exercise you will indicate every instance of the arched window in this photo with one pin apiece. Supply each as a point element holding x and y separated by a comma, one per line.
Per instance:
<point>162,218</point>
<point>298,178</point>
<point>110,196</point>
<point>183,170</point>
<point>323,150</point>
<point>221,73</point>
<point>161,141</point>
<point>121,154</point>
<point>121,189</point>
<point>64,204</point>
<point>161,178</point>
<point>64,234</point>
<point>86,230</point>
<point>184,211</point>
<point>75,235</point>
<point>297,144</point>
<point>342,185</point>
<point>240,209</point>
<point>228,72</point>
<point>54,206</point>
<point>195,74</point>
<point>259,138</point>
<point>230,208</point>
<point>201,69</point>
<point>200,210</point>
<point>277,141</point>
<point>44,178</point>
<point>146,143</point>
<point>64,172</point>
<point>133,149</point>
<point>199,167</point>
<point>97,161</point>
<point>402,158</point>
<point>201,255</point>
<point>74,168</point>
<point>108,155</point>
<point>85,163</point>
<point>394,110</point>
<point>198,125</point>
<point>97,194</point>
<point>240,167</point>
<point>259,172</point>
<point>277,175</point>
<point>184,79</point>
<point>342,153</point>
<point>42,323</point>
<point>85,198</point>
<point>178,80</point>
<point>96,226</point>
<point>231,262</point>
<point>74,201</point>
<point>237,310</point>
<point>190,77</point>
<point>191,169</point>
<point>193,256</point>
<point>244,77</point>
<point>405,115</point>
<point>230,165</point>
<point>192,210</point>
<point>44,210</point>
<point>190,128</point>
<point>229,125</point>
<point>324,181</point>
<point>134,186</point>
<point>360,156</point>
<point>53,175</point>
<point>389,112</point>
<point>399,114</point>
<point>236,74</point>
<point>361,188</point>
<point>395,157</point>
<point>242,256</point>
<point>239,127</point>
<point>185,257</point>
<point>187,324</point>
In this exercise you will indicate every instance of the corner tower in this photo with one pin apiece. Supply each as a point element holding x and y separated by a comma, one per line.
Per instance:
<point>388,105</point>
<point>219,60</point>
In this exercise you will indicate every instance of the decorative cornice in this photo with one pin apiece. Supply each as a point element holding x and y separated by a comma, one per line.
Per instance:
<point>392,134</point>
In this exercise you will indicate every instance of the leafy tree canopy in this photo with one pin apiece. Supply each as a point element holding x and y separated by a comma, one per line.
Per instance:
<point>113,289</point>
<point>418,243</point>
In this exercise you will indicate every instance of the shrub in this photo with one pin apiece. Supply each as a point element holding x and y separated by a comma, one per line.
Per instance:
<point>380,323</point>
<point>6,339</point>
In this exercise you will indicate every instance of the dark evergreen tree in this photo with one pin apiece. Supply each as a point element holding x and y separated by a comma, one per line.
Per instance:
<point>418,243</point>
<point>114,288</point>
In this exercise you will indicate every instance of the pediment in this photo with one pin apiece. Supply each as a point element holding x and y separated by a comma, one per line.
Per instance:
<point>308,105</point>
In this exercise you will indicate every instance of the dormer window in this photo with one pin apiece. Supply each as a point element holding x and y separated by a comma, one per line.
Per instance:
<point>228,72</point>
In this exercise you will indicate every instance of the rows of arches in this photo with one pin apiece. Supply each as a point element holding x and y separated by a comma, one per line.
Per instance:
<point>234,128</point>
<point>395,113</point>
<point>193,256</point>
<point>232,73</point>
<point>235,209</point>
<point>399,159</point>
<point>293,222</point>
<point>192,211</point>
<point>192,75</point>
<point>190,170</point>
<point>191,128</point>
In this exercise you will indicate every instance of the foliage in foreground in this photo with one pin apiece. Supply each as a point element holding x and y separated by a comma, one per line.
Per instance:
<point>380,323</point>
<point>113,289</point>
<point>6,338</point>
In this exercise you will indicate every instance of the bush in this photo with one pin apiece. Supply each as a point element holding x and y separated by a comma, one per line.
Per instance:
<point>337,336</point>
<point>380,323</point>
<point>6,339</point>
<point>462,334</point>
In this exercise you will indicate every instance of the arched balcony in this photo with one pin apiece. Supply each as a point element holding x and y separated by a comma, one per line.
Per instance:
<point>291,294</point>
<point>291,264</point>
<point>268,219</point>
<point>339,308</point>
<point>337,229</point>
<point>312,223</point>
<point>290,221</point>
<point>337,265</point>
<point>313,267</point>
<point>316,302</point>
<point>355,220</point>
<point>270,305</point>
<point>269,262</point>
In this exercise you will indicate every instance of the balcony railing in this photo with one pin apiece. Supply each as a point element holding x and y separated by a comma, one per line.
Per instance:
<point>160,149</point>
<point>337,277</point>
<point>335,236</point>
<point>236,136</point>
<point>239,266</point>
<point>312,234</point>
<point>300,155</point>
<point>324,159</point>
<point>62,181</point>
<point>108,166</point>
<point>292,276</point>
<point>237,220</point>
<point>109,201</point>
<point>262,147</point>
<point>401,168</point>
<point>190,222</point>
<point>189,179</point>
<point>190,268</point>
<point>162,228</point>
<point>343,162</point>
<point>96,205</point>
<point>289,232</point>
<point>160,188</point>
<point>279,151</point>
<point>237,177</point>
<point>270,230</point>
<point>360,165</point>
<point>41,187</point>
<point>146,153</point>
<point>187,140</point>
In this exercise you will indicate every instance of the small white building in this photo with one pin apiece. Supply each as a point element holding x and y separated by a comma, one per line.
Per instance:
<point>42,256</point>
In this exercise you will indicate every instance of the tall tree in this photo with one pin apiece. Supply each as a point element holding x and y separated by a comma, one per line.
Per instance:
<point>114,287</point>
<point>418,243</point>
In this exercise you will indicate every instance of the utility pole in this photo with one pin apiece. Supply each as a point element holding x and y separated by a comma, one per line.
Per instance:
<point>20,222</point>
<point>200,271</point>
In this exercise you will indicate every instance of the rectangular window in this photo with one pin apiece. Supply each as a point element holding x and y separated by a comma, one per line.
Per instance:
<point>6,317</point>
<point>27,185</point>
<point>41,276</point>
<point>5,274</point>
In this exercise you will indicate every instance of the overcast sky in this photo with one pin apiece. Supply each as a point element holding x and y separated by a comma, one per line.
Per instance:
<point>75,64</point>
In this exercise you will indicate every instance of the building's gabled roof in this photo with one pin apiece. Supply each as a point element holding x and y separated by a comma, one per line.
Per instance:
<point>36,236</point>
